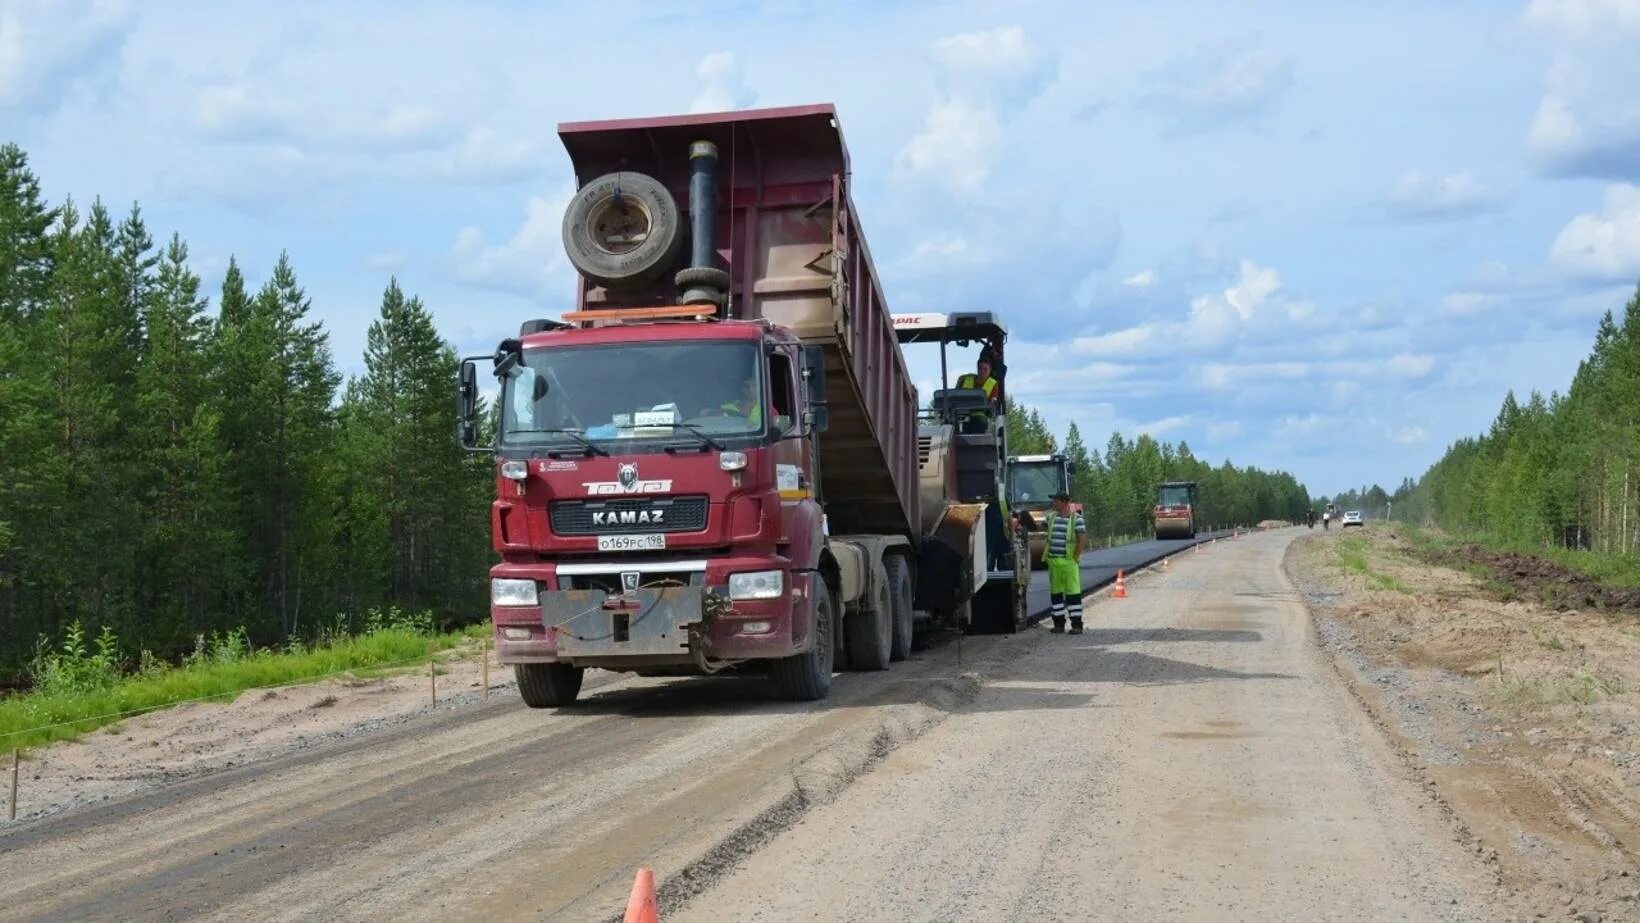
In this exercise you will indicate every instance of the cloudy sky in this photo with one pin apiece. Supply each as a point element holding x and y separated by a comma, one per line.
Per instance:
<point>1299,235</point>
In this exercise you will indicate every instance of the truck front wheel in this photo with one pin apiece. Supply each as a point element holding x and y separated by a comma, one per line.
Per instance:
<point>806,677</point>
<point>548,685</point>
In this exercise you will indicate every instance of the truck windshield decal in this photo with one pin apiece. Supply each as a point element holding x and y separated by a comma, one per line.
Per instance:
<point>658,393</point>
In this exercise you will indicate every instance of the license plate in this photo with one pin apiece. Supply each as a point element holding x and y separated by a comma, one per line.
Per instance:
<point>631,543</point>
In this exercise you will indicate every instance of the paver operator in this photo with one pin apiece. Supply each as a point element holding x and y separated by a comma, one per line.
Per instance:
<point>1067,533</point>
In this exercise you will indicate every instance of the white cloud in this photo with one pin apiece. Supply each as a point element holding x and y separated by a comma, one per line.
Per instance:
<point>531,262</point>
<point>723,85</point>
<point>983,78</point>
<point>48,45</point>
<point>955,145</point>
<point>1165,425</point>
<point>1581,17</point>
<point>386,260</point>
<point>1406,365</point>
<point>1433,198</point>
<point>1409,435</point>
<point>1128,342</point>
<point>1604,245</point>
<point>1289,426</point>
<point>1144,279</point>
<point>1217,86</point>
<point>1466,304</point>
<point>1224,376</point>
<point>1588,120</point>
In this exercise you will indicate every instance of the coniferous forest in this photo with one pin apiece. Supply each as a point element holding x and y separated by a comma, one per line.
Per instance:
<point>168,470</point>
<point>1562,470</point>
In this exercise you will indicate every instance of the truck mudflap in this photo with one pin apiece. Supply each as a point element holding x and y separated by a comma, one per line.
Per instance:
<point>648,622</point>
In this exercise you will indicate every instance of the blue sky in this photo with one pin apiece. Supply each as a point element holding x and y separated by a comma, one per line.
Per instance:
<point>1309,236</point>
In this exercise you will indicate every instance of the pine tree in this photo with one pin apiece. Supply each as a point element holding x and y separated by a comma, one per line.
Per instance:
<point>186,544</point>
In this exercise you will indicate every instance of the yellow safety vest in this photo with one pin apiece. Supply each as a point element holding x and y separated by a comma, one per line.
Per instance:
<point>970,380</point>
<point>755,417</point>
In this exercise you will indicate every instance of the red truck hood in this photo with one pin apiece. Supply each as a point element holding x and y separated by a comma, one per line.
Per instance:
<point>567,503</point>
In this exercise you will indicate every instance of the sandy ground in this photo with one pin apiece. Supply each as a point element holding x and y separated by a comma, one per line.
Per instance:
<point>199,739</point>
<point>1524,720</point>
<point>1194,756</point>
<point>1191,757</point>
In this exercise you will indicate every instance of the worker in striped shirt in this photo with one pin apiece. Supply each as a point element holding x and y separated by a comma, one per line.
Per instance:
<point>1067,533</point>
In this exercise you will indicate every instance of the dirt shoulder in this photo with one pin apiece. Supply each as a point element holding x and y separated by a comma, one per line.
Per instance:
<point>1524,719</point>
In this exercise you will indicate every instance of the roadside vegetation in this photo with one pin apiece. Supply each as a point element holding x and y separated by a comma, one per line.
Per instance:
<point>82,682</point>
<point>177,461</point>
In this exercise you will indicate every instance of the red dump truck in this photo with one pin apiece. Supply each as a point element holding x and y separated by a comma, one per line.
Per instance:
<point>712,462</point>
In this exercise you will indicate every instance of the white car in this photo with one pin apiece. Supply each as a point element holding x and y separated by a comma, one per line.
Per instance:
<point>1353,518</point>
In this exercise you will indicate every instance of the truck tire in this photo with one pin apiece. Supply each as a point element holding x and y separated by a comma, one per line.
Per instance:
<point>806,677</point>
<point>899,592</point>
<point>870,635</point>
<point>606,215</point>
<point>548,685</point>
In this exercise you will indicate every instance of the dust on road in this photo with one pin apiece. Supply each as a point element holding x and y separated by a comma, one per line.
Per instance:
<point>1192,756</point>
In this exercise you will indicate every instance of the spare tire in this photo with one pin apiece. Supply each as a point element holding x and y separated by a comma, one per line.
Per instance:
<point>622,230</point>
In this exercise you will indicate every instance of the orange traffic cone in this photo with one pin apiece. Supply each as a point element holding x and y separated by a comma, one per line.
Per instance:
<point>1121,587</point>
<point>641,907</point>
<point>1164,565</point>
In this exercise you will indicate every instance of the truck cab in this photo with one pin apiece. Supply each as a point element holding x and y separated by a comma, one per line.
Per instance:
<point>1032,482</point>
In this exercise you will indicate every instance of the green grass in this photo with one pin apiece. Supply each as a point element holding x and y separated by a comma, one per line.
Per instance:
<point>1611,570</point>
<point>79,690</point>
<point>1352,554</point>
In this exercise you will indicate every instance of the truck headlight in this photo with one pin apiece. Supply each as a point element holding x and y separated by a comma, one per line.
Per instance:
<point>505,591</point>
<point>762,584</point>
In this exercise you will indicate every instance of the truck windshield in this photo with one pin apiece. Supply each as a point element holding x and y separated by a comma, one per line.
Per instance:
<point>1034,483</point>
<point>660,393</point>
<point>1173,496</point>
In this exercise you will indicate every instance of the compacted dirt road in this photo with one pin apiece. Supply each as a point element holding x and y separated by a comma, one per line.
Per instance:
<point>1192,756</point>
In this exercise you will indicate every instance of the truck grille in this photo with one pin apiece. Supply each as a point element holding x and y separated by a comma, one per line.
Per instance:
<point>633,515</point>
<point>611,583</point>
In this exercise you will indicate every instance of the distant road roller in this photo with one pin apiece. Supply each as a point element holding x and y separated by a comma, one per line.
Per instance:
<point>1175,512</point>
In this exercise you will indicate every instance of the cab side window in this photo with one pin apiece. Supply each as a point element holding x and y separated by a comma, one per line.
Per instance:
<point>781,391</point>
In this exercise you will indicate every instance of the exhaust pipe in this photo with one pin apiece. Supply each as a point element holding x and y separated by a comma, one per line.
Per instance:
<point>702,282</point>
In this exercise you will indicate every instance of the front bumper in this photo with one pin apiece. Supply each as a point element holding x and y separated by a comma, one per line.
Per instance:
<point>651,626</point>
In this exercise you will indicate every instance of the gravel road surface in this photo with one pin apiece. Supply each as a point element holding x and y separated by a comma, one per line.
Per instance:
<point>1190,757</point>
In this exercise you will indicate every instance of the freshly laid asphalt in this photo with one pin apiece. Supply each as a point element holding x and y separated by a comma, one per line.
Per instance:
<point>1100,565</point>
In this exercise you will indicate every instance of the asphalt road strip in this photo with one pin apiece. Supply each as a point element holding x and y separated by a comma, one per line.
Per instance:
<point>1099,567</point>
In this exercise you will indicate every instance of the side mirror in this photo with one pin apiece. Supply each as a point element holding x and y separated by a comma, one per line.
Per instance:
<point>467,404</point>
<point>816,417</point>
<point>507,356</point>
<point>1070,469</point>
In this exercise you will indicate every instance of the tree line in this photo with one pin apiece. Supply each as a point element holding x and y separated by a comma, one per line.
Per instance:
<point>167,472</point>
<point>1117,488</point>
<point>1562,470</point>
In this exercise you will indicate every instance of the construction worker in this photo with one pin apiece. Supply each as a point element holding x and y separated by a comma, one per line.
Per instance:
<point>1067,535</point>
<point>749,406</point>
<point>980,379</point>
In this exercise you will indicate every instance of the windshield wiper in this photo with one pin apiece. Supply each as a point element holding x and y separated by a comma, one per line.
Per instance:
<point>575,434</point>
<point>709,442</point>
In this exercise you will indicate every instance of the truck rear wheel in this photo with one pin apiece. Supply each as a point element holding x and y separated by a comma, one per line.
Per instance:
<point>548,685</point>
<point>870,635</point>
<point>806,677</point>
<point>622,229</point>
<point>899,592</point>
